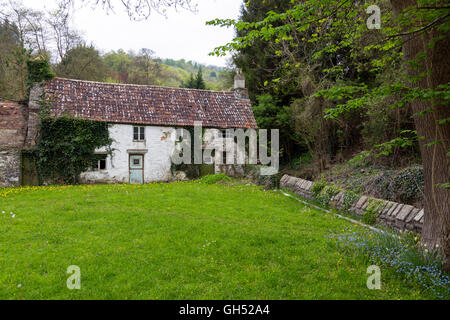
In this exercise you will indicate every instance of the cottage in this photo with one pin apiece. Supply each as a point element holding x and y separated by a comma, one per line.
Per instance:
<point>142,121</point>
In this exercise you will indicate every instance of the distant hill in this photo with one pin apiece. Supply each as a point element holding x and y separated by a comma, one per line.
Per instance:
<point>178,71</point>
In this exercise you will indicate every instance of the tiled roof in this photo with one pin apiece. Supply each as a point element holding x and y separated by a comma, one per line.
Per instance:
<point>151,105</point>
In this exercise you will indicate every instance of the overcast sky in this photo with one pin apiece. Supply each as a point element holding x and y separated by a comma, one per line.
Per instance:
<point>182,34</point>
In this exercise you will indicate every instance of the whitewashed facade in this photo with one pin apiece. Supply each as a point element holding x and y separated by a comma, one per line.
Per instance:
<point>155,151</point>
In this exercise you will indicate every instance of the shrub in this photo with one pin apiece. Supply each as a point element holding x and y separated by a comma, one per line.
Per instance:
<point>371,213</point>
<point>214,178</point>
<point>408,184</point>
<point>327,193</point>
<point>349,199</point>
<point>317,188</point>
<point>369,216</point>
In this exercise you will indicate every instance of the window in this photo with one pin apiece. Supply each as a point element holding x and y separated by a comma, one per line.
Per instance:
<point>99,163</point>
<point>138,133</point>
<point>102,164</point>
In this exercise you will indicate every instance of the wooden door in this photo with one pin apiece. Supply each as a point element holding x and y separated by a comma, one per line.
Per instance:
<point>136,169</point>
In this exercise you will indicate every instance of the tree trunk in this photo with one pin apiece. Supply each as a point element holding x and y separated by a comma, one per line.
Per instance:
<point>436,69</point>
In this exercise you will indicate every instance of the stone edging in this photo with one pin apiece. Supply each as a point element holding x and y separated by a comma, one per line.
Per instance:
<point>396,215</point>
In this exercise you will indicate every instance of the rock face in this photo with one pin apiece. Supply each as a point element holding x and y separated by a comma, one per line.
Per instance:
<point>396,215</point>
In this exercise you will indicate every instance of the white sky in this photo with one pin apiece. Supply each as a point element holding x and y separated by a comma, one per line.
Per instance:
<point>182,35</point>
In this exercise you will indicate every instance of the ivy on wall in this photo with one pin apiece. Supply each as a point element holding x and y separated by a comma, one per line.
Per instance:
<point>66,144</point>
<point>66,148</point>
<point>38,70</point>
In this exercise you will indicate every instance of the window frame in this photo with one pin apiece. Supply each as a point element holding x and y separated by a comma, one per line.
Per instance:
<point>140,134</point>
<point>98,166</point>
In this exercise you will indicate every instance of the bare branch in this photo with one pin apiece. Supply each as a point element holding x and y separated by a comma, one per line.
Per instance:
<point>137,10</point>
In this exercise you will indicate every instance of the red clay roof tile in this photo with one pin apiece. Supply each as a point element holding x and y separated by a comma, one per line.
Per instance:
<point>151,105</point>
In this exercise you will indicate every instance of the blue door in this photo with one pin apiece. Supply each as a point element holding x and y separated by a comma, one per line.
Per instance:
<point>136,169</point>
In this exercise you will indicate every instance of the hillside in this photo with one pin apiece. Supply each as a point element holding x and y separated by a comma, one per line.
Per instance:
<point>178,71</point>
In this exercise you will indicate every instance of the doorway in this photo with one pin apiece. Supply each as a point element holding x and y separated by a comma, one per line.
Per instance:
<point>136,168</point>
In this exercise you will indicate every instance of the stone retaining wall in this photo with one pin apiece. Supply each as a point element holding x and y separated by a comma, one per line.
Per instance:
<point>396,215</point>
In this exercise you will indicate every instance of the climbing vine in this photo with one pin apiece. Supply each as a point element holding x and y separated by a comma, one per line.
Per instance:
<point>38,70</point>
<point>66,147</point>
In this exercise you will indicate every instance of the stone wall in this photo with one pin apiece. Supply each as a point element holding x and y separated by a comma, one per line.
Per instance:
<point>396,215</point>
<point>10,167</point>
<point>13,131</point>
<point>13,124</point>
<point>34,115</point>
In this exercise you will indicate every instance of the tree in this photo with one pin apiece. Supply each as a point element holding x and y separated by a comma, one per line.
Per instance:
<point>199,81</point>
<point>119,65</point>
<point>190,83</point>
<point>12,63</point>
<point>64,37</point>
<point>144,70</point>
<point>196,82</point>
<point>83,63</point>
<point>429,66</point>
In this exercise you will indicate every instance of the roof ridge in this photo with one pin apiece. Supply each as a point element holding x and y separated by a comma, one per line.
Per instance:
<point>143,85</point>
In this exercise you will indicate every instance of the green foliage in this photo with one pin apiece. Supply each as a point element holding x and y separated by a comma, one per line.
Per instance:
<point>349,199</point>
<point>317,188</point>
<point>405,185</point>
<point>13,58</point>
<point>369,217</point>
<point>38,70</point>
<point>196,82</point>
<point>82,63</point>
<point>408,184</point>
<point>143,68</point>
<point>215,178</point>
<point>326,194</point>
<point>321,52</point>
<point>66,147</point>
<point>371,213</point>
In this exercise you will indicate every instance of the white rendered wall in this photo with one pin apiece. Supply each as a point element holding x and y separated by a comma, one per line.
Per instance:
<point>157,149</point>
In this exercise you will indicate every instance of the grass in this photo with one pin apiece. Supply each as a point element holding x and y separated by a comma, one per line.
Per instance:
<point>185,240</point>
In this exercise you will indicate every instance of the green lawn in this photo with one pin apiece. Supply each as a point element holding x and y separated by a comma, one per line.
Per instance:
<point>177,241</point>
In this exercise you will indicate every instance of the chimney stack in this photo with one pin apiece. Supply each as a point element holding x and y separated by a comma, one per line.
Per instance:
<point>240,91</point>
